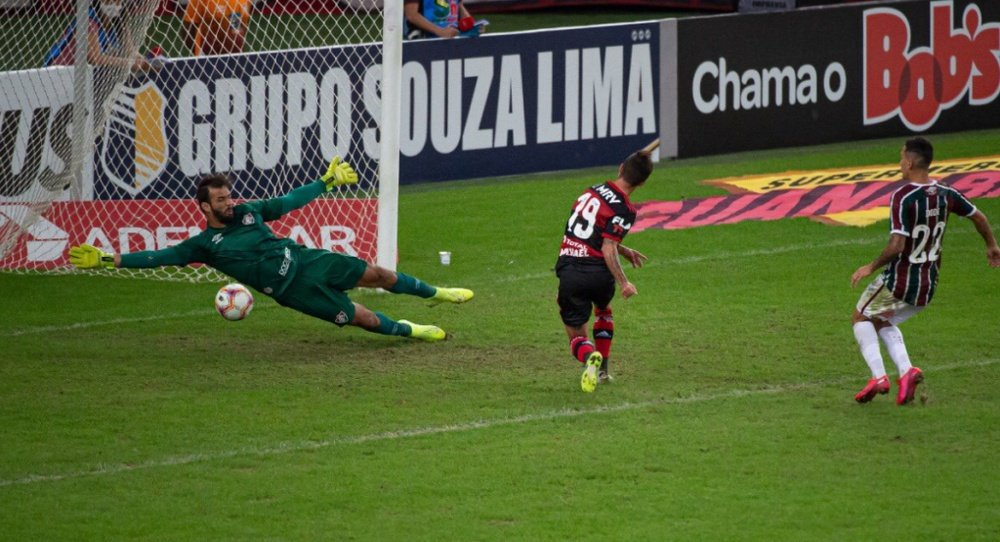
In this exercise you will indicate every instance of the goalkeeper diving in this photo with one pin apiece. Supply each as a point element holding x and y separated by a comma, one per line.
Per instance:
<point>238,242</point>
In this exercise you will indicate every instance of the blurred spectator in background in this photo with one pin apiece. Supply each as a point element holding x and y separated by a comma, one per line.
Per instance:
<point>216,27</point>
<point>110,43</point>
<point>438,18</point>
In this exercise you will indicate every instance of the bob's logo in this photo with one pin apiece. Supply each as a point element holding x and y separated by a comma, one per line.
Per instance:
<point>918,83</point>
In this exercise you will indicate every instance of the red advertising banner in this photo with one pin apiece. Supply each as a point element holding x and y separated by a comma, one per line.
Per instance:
<point>124,226</point>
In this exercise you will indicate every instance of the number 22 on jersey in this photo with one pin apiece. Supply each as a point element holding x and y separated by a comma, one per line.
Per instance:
<point>921,235</point>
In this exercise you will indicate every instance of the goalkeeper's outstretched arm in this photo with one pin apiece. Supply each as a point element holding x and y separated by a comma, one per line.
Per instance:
<point>90,257</point>
<point>339,173</point>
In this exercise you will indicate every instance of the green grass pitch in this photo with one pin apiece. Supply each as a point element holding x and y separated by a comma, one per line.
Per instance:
<point>129,409</point>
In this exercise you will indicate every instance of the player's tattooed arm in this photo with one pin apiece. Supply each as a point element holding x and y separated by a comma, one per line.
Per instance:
<point>609,248</point>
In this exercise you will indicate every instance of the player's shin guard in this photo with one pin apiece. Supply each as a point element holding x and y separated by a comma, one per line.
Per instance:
<point>581,348</point>
<point>867,339</point>
<point>893,339</point>
<point>604,332</point>
<point>405,284</point>
<point>388,326</point>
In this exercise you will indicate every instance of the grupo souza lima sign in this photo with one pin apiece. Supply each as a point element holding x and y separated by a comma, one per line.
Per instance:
<point>790,81</point>
<point>270,120</point>
<point>527,102</point>
<point>497,105</point>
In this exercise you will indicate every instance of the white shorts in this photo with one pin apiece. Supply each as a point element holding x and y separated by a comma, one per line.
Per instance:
<point>877,302</point>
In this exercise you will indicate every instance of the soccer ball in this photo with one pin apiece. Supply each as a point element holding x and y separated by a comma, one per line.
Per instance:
<point>234,301</point>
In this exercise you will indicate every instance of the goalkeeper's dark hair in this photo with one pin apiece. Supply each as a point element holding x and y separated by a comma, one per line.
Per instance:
<point>637,167</point>
<point>920,151</point>
<point>216,180</point>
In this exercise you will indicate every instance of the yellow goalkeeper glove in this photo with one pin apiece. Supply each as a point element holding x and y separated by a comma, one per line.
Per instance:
<point>91,257</point>
<point>338,174</point>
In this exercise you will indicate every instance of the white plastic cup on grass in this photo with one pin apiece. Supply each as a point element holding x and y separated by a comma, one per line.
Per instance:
<point>445,257</point>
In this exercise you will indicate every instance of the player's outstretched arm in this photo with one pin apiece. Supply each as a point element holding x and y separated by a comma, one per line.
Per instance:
<point>90,257</point>
<point>983,227</point>
<point>338,174</point>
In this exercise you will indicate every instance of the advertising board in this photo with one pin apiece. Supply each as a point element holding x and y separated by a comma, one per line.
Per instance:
<point>836,74</point>
<point>528,102</point>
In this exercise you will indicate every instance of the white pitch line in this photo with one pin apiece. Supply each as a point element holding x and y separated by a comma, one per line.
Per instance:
<point>726,256</point>
<point>676,261</point>
<point>771,251</point>
<point>291,447</point>
<point>516,278</point>
<point>744,254</point>
<point>112,322</point>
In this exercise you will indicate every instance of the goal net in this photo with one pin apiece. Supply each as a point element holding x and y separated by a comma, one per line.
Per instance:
<point>103,140</point>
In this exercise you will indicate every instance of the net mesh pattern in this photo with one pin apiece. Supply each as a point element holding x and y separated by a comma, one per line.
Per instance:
<point>303,88</point>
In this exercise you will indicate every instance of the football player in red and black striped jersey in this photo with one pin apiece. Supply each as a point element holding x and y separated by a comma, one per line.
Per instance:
<point>588,266</point>
<point>920,211</point>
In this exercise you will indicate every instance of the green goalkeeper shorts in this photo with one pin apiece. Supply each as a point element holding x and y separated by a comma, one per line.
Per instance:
<point>319,285</point>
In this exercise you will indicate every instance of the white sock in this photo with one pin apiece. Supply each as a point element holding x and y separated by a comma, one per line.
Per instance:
<point>893,339</point>
<point>867,338</point>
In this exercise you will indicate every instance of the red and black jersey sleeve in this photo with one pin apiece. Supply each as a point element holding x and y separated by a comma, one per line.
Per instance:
<point>618,220</point>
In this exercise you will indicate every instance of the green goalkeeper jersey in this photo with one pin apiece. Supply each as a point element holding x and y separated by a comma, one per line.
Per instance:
<point>246,249</point>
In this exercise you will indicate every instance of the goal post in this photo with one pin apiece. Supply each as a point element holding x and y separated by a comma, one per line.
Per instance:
<point>115,164</point>
<point>392,62</point>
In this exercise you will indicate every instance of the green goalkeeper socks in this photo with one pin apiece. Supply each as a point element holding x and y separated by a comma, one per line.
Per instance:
<point>388,326</point>
<point>405,284</point>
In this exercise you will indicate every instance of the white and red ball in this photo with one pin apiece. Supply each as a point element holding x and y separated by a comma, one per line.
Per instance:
<point>234,301</point>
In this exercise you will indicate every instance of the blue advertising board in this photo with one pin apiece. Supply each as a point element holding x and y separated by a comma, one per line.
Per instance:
<point>528,102</point>
<point>472,108</point>
<point>269,120</point>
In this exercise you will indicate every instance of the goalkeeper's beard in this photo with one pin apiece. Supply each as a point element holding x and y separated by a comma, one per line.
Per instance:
<point>222,216</point>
